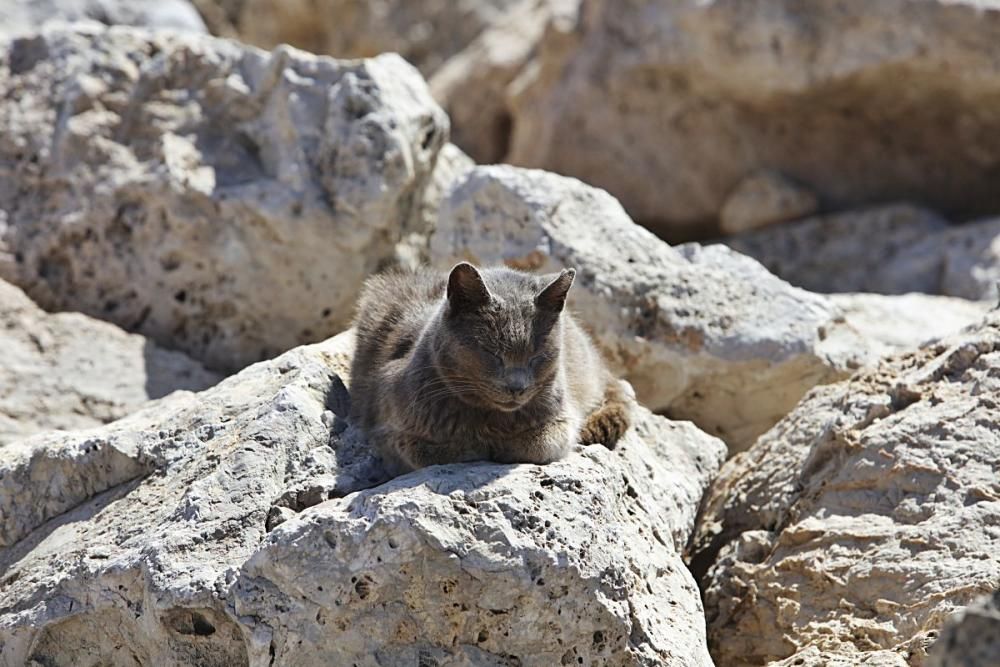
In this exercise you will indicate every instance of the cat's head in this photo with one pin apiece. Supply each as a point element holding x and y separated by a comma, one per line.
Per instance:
<point>501,334</point>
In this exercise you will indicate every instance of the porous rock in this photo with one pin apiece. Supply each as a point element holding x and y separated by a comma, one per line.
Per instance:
<point>702,333</point>
<point>21,17</point>
<point>865,517</point>
<point>219,199</point>
<point>425,32</point>
<point>669,105</point>
<point>150,544</point>
<point>70,371</point>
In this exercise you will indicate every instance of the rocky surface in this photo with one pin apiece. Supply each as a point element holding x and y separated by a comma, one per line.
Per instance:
<point>888,250</point>
<point>669,105</point>
<point>900,323</point>
<point>69,371</point>
<point>703,333</point>
<point>19,17</point>
<point>248,525</point>
<point>865,517</point>
<point>425,32</point>
<point>223,200</point>
<point>971,638</point>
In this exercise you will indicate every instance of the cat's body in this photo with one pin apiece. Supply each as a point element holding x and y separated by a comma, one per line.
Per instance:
<point>478,366</point>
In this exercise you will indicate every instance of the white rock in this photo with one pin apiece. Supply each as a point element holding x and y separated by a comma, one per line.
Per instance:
<point>69,371</point>
<point>219,199</point>
<point>148,544</point>
<point>865,517</point>
<point>764,198</point>
<point>703,333</point>
<point>20,17</point>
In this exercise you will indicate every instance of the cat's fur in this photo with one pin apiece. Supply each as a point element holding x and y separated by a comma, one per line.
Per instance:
<point>475,365</point>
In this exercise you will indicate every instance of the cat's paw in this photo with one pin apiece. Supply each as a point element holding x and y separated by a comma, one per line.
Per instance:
<point>606,426</point>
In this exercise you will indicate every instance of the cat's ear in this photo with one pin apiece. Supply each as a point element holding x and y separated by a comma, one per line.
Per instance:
<point>466,289</point>
<point>553,297</point>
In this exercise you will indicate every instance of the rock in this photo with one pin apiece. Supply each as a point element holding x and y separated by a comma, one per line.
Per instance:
<point>971,638</point>
<point>702,333</point>
<point>900,323</point>
<point>670,105</point>
<point>475,85</point>
<point>425,32</point>
<point>889,250</point>
<point>23,17</point>
<point>218,199</point>
<point>150,544</point>
<point>865,517</point>
<point>69,371</point>
<point>762,199</point>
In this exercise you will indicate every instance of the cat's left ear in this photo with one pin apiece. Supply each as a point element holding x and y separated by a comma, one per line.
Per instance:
<point>553,297</point>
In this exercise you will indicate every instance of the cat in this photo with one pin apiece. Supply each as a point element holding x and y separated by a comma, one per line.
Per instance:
<point>478,365</point>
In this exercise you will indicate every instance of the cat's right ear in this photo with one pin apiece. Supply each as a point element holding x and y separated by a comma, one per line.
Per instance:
<point>466,289</point>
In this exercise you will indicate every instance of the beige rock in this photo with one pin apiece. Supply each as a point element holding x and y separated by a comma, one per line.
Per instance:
<point>425,32</point>
<point>150,544</point>
<point>764,198</point>
<point>865,517</point>
<point>901,323</point>
<point>669,105</point>
<point>702,333</point>
<point>69,371</point>
<point>218,199</point>
<point>19,17</point>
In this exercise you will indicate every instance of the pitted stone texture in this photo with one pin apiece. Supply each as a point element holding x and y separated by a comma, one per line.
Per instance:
<point>669,105</point>
<point>149,543</point>
<point>218,199</point>
<point>69,371</point>
<point>866,516</point>
<point>703,333</point>
<point>21,17</point>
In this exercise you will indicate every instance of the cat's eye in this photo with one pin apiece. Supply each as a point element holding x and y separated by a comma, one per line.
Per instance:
<point>496,357</point>
<point>536,360</point>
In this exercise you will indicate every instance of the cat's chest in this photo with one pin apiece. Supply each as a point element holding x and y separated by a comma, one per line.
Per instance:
<point>455,420</point>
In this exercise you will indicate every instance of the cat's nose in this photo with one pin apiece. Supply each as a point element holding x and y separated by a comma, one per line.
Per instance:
<point>517,381</point>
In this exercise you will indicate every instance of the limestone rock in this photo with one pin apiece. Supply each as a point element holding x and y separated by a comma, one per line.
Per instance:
<point>703,333</point>
<point>425,32</point>
<point>866,516</point>
<point>870,250</point>
<point>150,544</point>
<point>669,105</point>
<point>900,323</point>
<point>889,250</point>
<point>19,17</point>
<point>221,200</point>
<point>69,371</point>
<point>762,199</point>
<point>971,638</point>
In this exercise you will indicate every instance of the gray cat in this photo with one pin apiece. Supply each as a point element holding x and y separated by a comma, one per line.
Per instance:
<point>478,366</point>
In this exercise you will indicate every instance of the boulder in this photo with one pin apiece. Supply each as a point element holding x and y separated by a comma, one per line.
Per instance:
<point>18,17</point>
<point>900,323</point>
<point>970,638</point>
<point>865,517</point>
<point>70,371</point>
<point>702,333</point>
<point>221,200</point>
<point>425,32</point>
<point>249,525</point>
<point>670,105</point>
<point>762,199</point>
<point>889,250</point>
